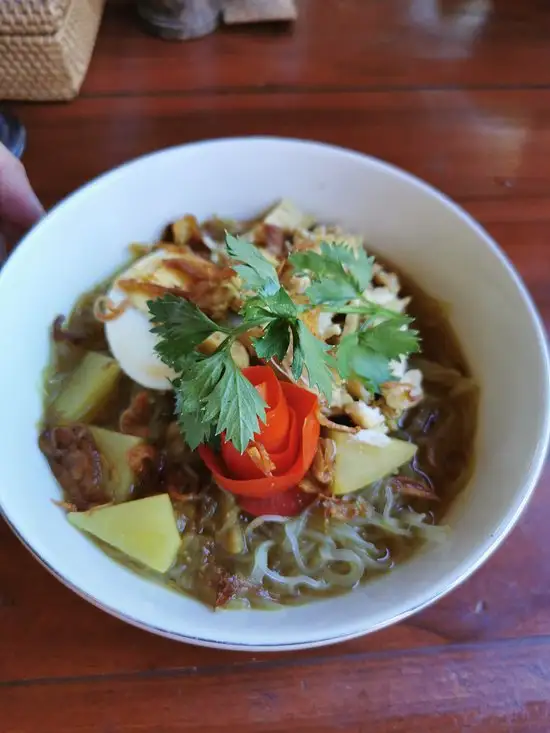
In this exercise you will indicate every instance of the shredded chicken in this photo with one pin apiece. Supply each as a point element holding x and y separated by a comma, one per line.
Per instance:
<point>326,328</point>
<point>199,268</point>
<point>339,400</point>
<point>310,485</point>
<point>130,286</point>
<point>311,320</point>
<point>400,396</point>
<point>261,459</point>
<point>68,506</point>
<point>215,301</point>
<point>105,310</point>
<point>183,498</point>
<point>385,278</point>
<point>358,390</point>
<point>323,462</point>
<point>327,423</point>
<point>351,324</point>
<point>345,509</point>
<point>304,240</point>
<point>385,297</point>
<point>412,487</point>
<point>186,231</point>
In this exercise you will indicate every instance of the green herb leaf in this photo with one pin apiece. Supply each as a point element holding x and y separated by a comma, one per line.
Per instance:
<point>347,348</point>
<point>199,376</point>
<point>388,339</point>
<point>235,406</point>
<point>372,367</point>
<point>355,359</point>
<point>212,396</point>
<point>358,262</point>
<point>362,269</point>
<point>338,253</point>
<point>332,292</point>
<point>279,305</point>
<point>297,365</point>
<point>256,272</point>
<point>274,342</point>
<point>192,427</point>
<point>180,325</point>
<point>312,352</point>
<point>374,312</point>
<point>366,353</point>
<point>278,312</point>
<point>309,263</point>
<point>340,273</point>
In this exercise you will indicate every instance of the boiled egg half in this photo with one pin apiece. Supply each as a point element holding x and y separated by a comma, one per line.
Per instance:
<point>129,333</point>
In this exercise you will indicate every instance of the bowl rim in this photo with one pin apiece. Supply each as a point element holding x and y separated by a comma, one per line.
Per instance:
<point>535,322</point>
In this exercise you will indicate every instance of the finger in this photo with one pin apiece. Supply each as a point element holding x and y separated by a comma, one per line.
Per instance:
<point>19,205</point>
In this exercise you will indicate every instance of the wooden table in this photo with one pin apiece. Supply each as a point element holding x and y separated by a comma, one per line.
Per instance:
<point>461,99</point>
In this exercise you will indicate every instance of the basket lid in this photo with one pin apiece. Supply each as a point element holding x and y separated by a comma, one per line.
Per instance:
<point>32,17</point>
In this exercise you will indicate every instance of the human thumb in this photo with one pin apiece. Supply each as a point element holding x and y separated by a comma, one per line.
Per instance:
<point>19,205</point>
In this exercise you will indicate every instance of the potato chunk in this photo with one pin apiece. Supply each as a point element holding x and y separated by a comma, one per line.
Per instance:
<point>359,464</point>
<point>286,215</point>
<point>87,389</point>
<point>115,450</point>
<point>145,529</point>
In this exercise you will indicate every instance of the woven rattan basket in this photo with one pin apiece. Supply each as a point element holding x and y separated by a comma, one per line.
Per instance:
<point>45,47</point>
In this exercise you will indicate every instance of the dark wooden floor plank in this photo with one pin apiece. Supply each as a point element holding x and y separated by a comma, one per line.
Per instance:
<point>336,43</point>
<point>486,689</point>
<point>487,145</point>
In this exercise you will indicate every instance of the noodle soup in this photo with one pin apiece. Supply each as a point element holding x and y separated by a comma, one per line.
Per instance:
<point>372,465</point>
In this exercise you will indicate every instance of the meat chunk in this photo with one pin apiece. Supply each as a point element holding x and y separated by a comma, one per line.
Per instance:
<point>172,468</point>
<point>135,419</point>
<point>275,240</point>
<point>76,464</point>
<point>228,588</point>
<point>61,334</point>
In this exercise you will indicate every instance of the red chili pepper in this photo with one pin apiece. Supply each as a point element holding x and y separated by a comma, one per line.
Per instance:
<point>289,407</point>
<point>274,433</point>
<point>288,504</point>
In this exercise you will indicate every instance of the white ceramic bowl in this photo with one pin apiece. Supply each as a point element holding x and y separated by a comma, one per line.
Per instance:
<point>84,239</point>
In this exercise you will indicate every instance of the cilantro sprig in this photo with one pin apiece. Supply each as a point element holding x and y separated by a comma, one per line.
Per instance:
<point>366,353</point>
<point>213,396</point>
<point>339,273</point>
<point>255,271</point>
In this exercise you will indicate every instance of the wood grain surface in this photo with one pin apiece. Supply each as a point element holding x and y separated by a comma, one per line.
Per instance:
<point>461,99</point>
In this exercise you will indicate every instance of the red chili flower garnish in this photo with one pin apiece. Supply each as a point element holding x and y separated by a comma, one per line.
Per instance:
<point>288,504</point>
<point>281,453</point>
